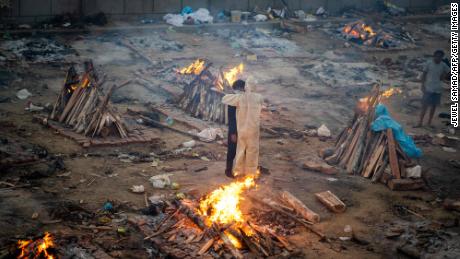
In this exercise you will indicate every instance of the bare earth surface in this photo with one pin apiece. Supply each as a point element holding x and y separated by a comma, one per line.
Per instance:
<point>313,82</point>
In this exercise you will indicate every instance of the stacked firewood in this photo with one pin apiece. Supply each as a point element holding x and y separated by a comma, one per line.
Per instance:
<point>374,155</point>
<point>202,98</point>
<point>186,233</point>
<point>82,106</point>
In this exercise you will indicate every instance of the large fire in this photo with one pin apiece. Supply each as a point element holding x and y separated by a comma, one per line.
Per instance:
<point>36,249</point>
<point>222,206</point>
<point>230,76</point>
<point>193,69</point>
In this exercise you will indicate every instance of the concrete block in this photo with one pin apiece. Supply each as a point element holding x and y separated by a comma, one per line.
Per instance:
<point>167,6</point>
<point>138,6</point>
<point>35,8</point>
<point>195,4</point>
<point>108,7</point>
<point>64,6</point>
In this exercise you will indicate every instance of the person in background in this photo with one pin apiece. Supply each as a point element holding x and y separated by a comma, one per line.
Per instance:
<point>432,79</point>
<point>248,107</point>
<point>232,131</point>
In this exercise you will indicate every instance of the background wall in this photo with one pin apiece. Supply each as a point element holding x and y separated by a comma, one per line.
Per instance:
<point>34,10</point>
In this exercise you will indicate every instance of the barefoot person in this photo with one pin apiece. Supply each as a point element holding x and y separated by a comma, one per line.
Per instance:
<point>433,75</point>
<point>248,106</point>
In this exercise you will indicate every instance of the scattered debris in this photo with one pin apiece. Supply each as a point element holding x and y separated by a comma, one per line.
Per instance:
<point>23,94</point>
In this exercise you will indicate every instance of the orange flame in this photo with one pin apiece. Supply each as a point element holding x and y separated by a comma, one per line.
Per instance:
<point>36,249</point>
<point>231,76</point>
<point>363,103</point>
<point>359,30</point>
<point>223,204</point>
<point>193,69</point>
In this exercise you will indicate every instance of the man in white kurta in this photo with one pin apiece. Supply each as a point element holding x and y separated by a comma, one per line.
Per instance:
<point>248,106</point>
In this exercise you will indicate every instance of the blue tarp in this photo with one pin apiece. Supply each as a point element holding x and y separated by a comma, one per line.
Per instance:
<point>384,121</point>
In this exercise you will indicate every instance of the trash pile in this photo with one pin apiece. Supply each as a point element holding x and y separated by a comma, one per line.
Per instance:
<point>37,50</point>
<point>375,146</point>
<point>188,17</point>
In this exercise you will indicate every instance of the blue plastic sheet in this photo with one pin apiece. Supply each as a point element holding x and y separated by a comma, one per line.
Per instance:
<point>187,10</point>
<point>384,121</point>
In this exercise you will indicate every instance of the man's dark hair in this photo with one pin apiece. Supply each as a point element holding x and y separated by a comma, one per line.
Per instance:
<point>439,53</point>
<point>239,85</point>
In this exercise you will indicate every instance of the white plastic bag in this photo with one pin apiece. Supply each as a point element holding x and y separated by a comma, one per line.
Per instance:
<point>174,19</point>
<point>160,181</point>
<point>323,131</point>
<point>23,94</point>
<point>210,134</point>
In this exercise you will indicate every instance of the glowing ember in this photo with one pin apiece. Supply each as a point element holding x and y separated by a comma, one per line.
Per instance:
<point>236,243</point>
<point>231,76</point>
<point>223,204</point>
<point>36,249</point>
<point>392,91</point>
<point>358,30</point>
<point>193,69</point>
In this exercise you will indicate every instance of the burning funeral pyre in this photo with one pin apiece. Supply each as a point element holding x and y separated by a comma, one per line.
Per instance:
<point>39,248</point>
<point>375,155</point>
<point>82,106</point>
<point>215,226</point>
<point>362,33</point>
<point>202,97</point>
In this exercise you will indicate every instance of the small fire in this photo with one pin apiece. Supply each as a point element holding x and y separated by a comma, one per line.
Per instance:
<point>85,82</point>
<point>363,103</point>
<point>359,30</point>
<point>36,249</point>
<point>193,69</point>
<point>231,76</point>
<point>223,204</point>
<point>390,92</point>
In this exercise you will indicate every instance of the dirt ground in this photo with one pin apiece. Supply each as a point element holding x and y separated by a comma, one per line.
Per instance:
<point>296,98</point>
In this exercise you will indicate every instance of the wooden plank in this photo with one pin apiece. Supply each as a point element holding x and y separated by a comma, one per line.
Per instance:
<point>373,160</point>
<point>405,184</point>
<point>300,207</point>
<point>394,164</point>
<point>331,201</point>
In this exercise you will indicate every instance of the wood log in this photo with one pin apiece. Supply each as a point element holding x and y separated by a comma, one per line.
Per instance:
<point>381,169</point>
<point>405,184</point>
<point>229,245</point>
<point>394,163</point>
<point>372,163</point>
<point>206,246</point>
<point>331,201</point>
<point>271,204</point>
<point>300,207</point>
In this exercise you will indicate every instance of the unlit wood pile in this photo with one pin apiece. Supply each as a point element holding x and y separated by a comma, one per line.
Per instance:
<point>82,106</point>
<point>203,99</point>
<point>374,155</point>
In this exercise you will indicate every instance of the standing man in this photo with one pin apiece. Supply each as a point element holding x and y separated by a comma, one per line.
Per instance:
<point>433,75</point>
<point>248,107</point>
<point>232,131</point>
